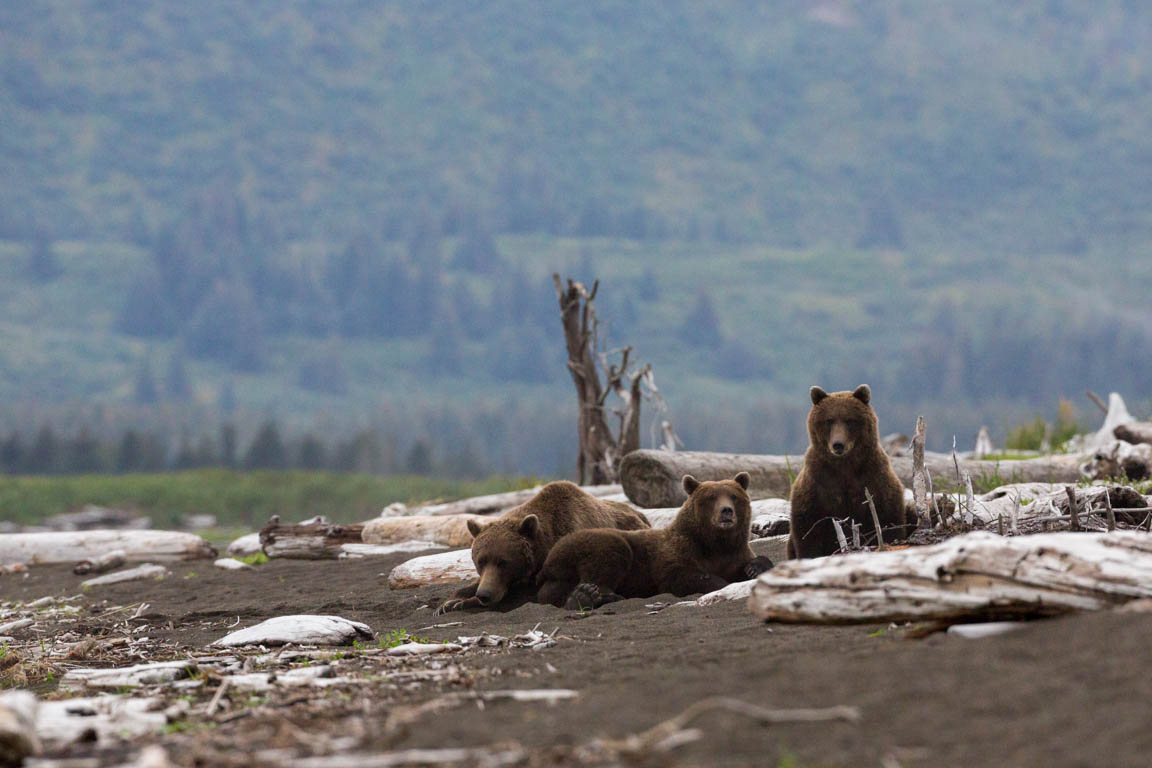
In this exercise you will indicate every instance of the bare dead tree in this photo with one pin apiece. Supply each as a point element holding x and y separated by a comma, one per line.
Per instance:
<point>600,450</point>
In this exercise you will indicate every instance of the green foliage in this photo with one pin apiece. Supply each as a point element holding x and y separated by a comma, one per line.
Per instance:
<point>397,637</point>
<point>259,558</point>
<point>1030,436</point>
<point>245,498</point>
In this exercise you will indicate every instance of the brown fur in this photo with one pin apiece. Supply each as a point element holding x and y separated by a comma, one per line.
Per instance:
<point>832,484</point>
<point>509,551</point>
<point>705,548</point>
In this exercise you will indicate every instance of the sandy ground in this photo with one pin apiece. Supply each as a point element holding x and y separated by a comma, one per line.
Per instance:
<point>1072,691</point>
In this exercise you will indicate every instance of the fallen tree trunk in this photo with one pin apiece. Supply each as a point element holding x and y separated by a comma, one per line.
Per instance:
<point>441,568</point>
<point>102,564</point>
<point>653,478</point>
<point>1134,432</point>
<point>975,576</point>
<point>139,573</point>
<point>491,504</point>
<point>75,546</point>
<point>315,539</point>
<point>450,530</point>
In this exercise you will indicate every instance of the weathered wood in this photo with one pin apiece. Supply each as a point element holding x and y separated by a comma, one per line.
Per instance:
<point>441,568</point>
<point>232,564</point>
<point>977,575</point>
<point>104,718</point>
<point>102,564</point>
<point>248,544</point>
<point>449,530</point>
<point>315,539</point>
<point>126,677</point>
<point>75,546</point>
<point>18,714</point>
<point>489,504</point>
<point>1119,459</point>
<point>300,630</point>
<point>919,479</point>
<point>653,478</point>
<point>356,551</point>
<point>1134,432</point>
<point>139,573</point>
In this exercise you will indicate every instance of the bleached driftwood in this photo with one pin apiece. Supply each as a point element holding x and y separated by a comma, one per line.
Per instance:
<point>248,544</point>
<point>1028,501</point>
<point>977,575</point>
<point>18,740</point>
<point>1119,459</point>
<point>107,718</point>
<point>984,445</point>
<point>490,504</point>
<point>423,649</point>
<point>140,572</point>
<point>315,539</point>
<point>126,677</point>
<point>450,530</point>
<point>75,546</point>
<point>300,630</point>
<point>441,568</point>
<point>653,478</point>
<point>1116,415</point>
<point>355,551</point>
<point>232,564</point>
<point>1134,432</point>
<point>101,564</point>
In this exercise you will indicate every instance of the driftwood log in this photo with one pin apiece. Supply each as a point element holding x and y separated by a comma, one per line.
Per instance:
<point>102,564</point>
<point>441,568</point>
<point>1134,432</point>
<point>300,630</point>
<point>76,546</point>
<point>315,539</point>
<point>653,478</point>
<point>139,573</point>
<point>450,530</point>
<point>977,576</point>
<point>490,504</point>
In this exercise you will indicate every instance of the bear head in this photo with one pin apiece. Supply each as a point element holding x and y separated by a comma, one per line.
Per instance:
<point>842,422</point>
<point>718,508</point>
<point>502,552</point>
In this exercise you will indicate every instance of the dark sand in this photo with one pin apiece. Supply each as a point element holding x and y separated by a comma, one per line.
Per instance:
<point>1066,692</point>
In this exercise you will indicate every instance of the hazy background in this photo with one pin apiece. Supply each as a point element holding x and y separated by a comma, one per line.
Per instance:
<point>339,220</point>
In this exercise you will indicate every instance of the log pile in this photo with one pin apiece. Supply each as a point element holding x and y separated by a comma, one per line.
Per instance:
<point>977,576</point>
<point>315,539</point>
<point>652,478</point>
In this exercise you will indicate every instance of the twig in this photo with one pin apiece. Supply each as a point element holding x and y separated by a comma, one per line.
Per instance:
<point>1096,399</point>
<point>1000,524</point>
<point>970,500</point>
<point>1072,509</point>
<point>840,535</point>
<point>875,518</point>
<point>856,535</point>
<point>211,708</point>
<point>1015,516</point>
<point>1109,510</point>
<point>919,483</point>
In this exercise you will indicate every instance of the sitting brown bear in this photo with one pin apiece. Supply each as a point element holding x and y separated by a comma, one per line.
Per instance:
<point>843,459</point>
<point>705,548</point>
<point>509,551</point>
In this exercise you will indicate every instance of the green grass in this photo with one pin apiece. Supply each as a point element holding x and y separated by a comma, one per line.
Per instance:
<point>236,498</point>
<point>400,637</point>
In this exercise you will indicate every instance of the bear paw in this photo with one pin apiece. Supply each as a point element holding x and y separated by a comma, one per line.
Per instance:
<point>455,604</point>
<point>758,565</point>
<point>585,597</point>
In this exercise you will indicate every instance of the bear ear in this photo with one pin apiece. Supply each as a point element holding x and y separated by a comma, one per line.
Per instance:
<point>863,393</point>
<point>529,526</point>
<point>817,395</point>
<point>743,480</point>
<point>474,528</point>
<point>690,484</point>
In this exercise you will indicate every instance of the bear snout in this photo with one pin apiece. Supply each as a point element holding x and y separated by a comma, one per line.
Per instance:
<point>726,518</point>
<point>838,447</point>
<point>484,596</point>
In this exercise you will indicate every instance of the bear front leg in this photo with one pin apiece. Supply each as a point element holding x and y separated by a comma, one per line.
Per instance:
<point>587,596</point>
<point>465,597</point>
<point>690,582</point>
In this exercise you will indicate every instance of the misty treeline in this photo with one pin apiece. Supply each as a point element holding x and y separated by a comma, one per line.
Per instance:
<point>221,283</point>
<point>48,452</point>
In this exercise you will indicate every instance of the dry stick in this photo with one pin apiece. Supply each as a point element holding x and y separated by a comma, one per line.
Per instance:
<point>856,535</point>
<point>1074,525</point>
<point>932,495</point>
<point>969,515</point>
<point>211,708</point>
<point>1109,510</point>
<point>919,484</point>
<point>999,524</point>
<point>1096,399</point>
<point>840,535</point>
<point>1015,516</point>
<point>875,518</point>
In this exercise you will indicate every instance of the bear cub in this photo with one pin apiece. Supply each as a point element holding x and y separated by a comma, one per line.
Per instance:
<point>843,459</point>
<point>704,549</point>
<point>509,551</point>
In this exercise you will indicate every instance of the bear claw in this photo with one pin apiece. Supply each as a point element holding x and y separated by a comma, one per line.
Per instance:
<point>454,604</point>
<point>759,565</point>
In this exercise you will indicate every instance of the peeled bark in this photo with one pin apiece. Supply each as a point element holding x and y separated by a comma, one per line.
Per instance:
<point>653,478</point>
<point>975,576</point>
<point>74,547</point>
<point>315,539</point>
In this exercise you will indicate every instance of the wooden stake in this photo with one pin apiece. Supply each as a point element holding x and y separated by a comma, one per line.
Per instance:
<point>919,483</point>
<point>1074,525</point>
<point>840,535</point>
<point>875,518</point>
<point>856,534</point>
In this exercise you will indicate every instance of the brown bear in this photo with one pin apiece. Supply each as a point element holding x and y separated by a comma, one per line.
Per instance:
<point>844,458</point>
<point>509,551</point>
<point>705,548</point>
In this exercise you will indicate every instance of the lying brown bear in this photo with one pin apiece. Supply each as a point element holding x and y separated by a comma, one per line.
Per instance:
<point>509,551</point>
<point>704,549</point>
